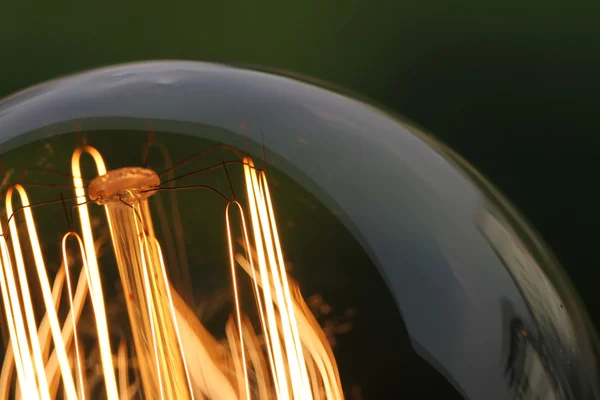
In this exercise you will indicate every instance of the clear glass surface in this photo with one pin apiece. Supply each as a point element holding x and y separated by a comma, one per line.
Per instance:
<point>264,237</point>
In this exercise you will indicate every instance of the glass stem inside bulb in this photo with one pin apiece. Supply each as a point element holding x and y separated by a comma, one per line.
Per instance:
<point>149,304</point>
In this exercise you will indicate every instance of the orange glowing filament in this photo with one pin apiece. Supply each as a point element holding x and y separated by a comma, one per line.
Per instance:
<point>175,356</point>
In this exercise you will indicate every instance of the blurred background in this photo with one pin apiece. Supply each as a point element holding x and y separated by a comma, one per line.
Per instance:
<point>512,86</point>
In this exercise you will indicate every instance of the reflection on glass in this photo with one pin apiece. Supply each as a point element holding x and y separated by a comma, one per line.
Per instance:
<point>538,358</point>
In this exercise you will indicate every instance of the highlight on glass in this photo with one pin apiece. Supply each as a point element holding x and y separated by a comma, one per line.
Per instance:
<point>199,231</point>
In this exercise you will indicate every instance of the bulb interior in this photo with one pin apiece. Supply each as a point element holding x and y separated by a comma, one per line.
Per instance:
<point>159,264</point>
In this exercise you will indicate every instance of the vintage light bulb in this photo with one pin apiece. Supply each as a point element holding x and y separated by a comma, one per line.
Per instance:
<point>188,230</point>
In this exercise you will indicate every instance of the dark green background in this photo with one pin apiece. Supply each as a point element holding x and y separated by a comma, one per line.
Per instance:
<point>512,85</point>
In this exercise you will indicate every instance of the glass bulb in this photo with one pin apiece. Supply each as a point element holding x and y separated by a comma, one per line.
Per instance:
<point>189,230</point>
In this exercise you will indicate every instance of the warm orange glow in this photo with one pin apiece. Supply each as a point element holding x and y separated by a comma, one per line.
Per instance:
<point>46,295</point>
<point>95,284</point>
<point>19,345</point>
<point>238,312</point>
<point>74,318</point>
<point>288,358</point>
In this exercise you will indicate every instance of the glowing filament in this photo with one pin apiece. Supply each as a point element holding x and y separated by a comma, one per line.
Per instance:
<point>289,357</point>
<point>95,284</point>
<point>46,294</point>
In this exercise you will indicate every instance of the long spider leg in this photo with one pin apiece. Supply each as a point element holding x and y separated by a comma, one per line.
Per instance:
<point>200,154</point>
